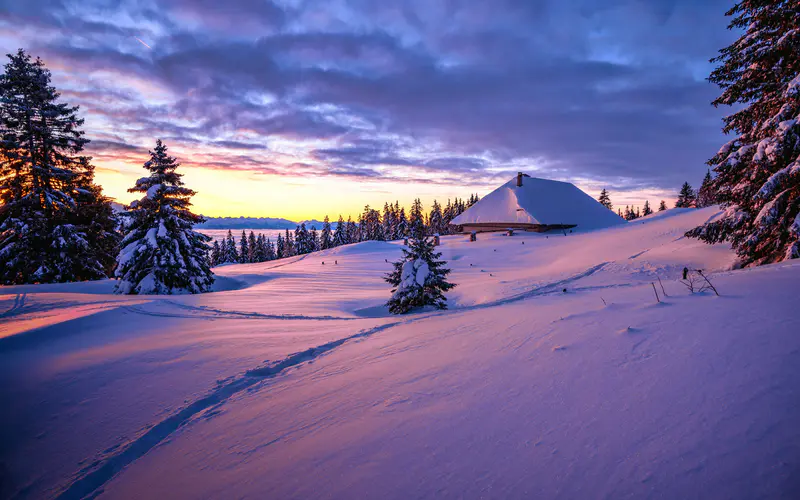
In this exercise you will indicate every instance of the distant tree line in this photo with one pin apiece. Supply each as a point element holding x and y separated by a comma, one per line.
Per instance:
<point>372,225</point>
<point>687,198</point>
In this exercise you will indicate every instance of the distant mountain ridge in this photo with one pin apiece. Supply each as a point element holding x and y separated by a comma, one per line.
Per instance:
<point>244,222</point>
<point>256,223</point>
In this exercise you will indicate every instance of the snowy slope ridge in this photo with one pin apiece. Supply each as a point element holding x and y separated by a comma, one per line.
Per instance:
<point>540,201</point>
<point>293,381</point>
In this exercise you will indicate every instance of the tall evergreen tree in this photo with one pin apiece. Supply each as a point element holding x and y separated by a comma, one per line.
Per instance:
<point>370,227</point>
<point>388,222</point>
<point>662,206</point>
<point>244,248</point>
<point>162,254</point>
<point>605,199</point>
<point>216,254</point>
<point>280,248</point>
<point>418,278</point>
<point>271,252</point>
<point>313,237</point>
<point>435,220</point>
<point>351,231</point>
<point>252,249</point>
<point>705,195</point>
<point>325,239</point>
<point>302,241</point>
<point>686,197</point>
<point>646,210</point>
<point>55,224</point>
<point>416,221</point>
<point>758,173</point>
<point>260,249</point>
<point>340,235</point>
<point>229,254</point>
<point>402,225</point>
<point>289,247</point>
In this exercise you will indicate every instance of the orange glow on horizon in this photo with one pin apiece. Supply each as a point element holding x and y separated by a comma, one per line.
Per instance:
<point>234,193</point>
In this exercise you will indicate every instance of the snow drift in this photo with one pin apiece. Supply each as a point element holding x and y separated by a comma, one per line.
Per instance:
<point>298,384</point>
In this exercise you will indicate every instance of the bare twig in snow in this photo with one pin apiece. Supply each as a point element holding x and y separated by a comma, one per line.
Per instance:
<point>662,286</point>
<point>708,282</point>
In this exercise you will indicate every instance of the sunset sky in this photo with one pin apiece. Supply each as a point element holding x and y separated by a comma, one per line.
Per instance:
<point>301,108</point>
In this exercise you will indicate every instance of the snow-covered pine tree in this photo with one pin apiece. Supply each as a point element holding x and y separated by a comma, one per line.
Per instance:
<point>325,239</point>
<point>289,247</point>
<point>402,224</point>
<point>758,173</point>
<point>419,278</point>
<point>705,195</point>
<point>637,214</point>
<point>48,198</point>
<point>302,241</point>
<point>216,254</point>
<point>251,247</point>
<point>435,219</point>
<point>161,252</point>
<point>686,197</point>
<point>371,228</point>
<point>388,222</point>
<point>340,235</point>
<point>662,206</point>
<point>605,199</point>
<point>271,253</point>
<point>313,239</point>
<point>395,235</point>
<point>244,249</point>
<point>280,248</point>
<point>229,253</point>
<point>352,231</point>
<point>260,252</point>
<point>416,220</point>
<point>361,229</point>
<point>646,210</point>
<point>447,216</point>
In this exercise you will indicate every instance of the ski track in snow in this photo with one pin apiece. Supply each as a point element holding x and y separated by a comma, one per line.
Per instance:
<point>19,303</point>
<point>89,482</point>
<point>212,313</point>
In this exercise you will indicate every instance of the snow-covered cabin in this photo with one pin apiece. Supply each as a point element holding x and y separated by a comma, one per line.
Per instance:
<point>534,204</point>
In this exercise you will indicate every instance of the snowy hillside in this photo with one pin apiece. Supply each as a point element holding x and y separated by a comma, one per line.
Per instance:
<point>555,374</point>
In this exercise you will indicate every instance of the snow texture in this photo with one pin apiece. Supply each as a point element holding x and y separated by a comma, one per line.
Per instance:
<point>292,380</point>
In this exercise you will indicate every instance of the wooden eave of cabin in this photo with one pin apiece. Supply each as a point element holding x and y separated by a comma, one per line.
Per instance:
<point>485,227</point>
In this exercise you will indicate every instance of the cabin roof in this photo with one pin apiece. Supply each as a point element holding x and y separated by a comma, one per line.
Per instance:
<point>539,201</point>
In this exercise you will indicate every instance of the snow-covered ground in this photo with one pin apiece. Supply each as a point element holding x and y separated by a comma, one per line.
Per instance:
<point>292,381</point>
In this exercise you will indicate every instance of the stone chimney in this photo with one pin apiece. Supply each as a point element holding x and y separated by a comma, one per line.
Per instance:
<point>519,179</point>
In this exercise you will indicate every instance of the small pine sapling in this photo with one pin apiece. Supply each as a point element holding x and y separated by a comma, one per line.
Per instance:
<point>419,278</point>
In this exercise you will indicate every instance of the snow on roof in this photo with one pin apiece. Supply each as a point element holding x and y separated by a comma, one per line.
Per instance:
<point>539,201</point>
